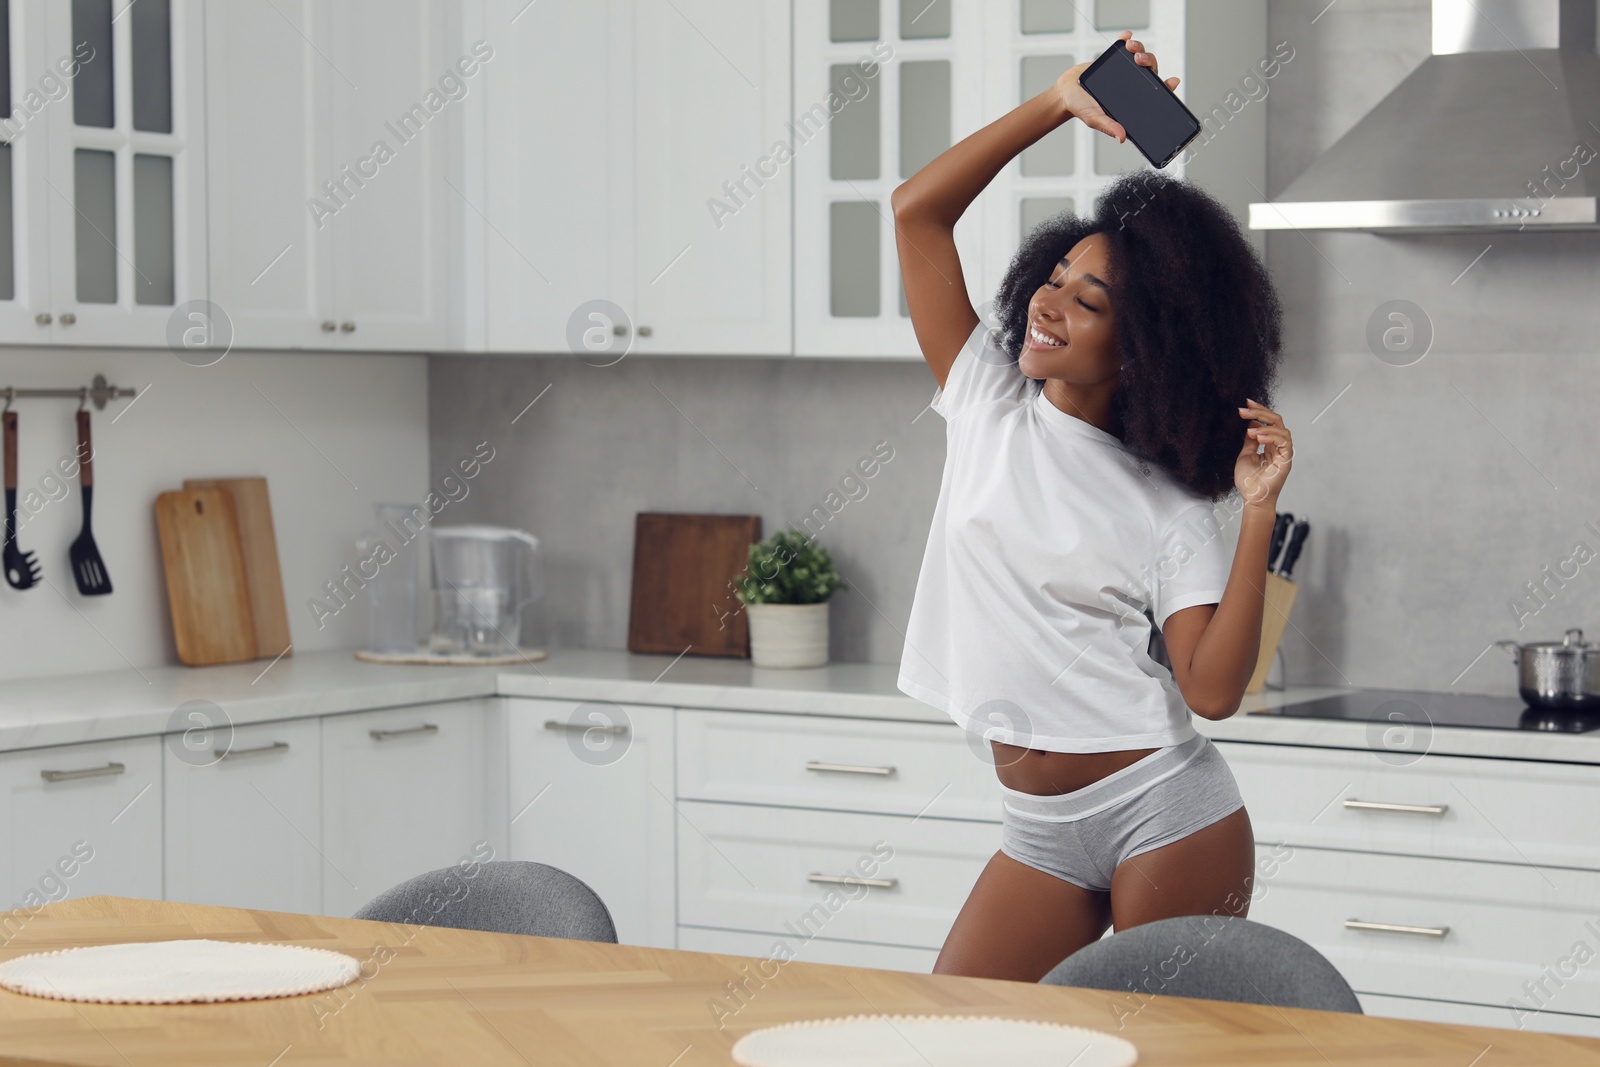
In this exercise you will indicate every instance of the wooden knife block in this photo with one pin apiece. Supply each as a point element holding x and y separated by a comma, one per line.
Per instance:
<point>1278,599</point>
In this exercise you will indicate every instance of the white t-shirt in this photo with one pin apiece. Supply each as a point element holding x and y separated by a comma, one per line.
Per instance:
<point>1048,545</point>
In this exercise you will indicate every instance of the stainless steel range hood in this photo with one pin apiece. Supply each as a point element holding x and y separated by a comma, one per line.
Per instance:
<point>1498,130</point>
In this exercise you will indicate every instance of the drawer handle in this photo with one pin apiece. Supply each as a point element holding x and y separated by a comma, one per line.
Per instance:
<point>1414,809</point>
<point>844,879</point>
<point>389,735</point>
<point>240,753</point>
<point>846,768</point>
<point>90,772</point>
<point>1394,928</point>
<point>582,728</point>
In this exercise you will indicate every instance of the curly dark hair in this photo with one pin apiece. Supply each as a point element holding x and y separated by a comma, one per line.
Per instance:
<point>1198,320</point>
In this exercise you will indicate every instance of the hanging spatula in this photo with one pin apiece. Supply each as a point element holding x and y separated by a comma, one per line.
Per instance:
<point>87,567</point>
<point>22,570</point>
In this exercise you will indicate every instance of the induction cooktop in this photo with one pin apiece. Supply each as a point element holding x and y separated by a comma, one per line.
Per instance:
<point>1426,707</point>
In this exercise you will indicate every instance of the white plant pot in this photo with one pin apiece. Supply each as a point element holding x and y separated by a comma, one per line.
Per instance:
<point>788,635</point>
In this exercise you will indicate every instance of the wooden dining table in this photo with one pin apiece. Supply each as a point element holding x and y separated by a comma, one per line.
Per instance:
<point>436,996</point>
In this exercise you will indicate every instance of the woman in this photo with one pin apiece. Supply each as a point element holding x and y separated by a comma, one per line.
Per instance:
<point>1089,435</point>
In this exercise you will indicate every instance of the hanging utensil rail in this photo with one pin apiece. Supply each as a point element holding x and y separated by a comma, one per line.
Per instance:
<point>98,391</point>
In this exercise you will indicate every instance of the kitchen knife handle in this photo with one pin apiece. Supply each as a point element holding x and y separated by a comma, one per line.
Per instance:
<point>85,453</point>
<point>11,449</point>
<point>1280,526</point>
<point>1291,551</point>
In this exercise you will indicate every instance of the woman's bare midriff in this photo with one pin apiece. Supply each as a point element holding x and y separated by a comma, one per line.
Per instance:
<point>1028,770</point>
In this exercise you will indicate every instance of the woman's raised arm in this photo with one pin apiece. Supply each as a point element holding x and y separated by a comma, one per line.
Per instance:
<point>927,205</point>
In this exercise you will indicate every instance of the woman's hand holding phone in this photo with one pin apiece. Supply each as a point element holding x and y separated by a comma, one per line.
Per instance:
<point>1083,106</point>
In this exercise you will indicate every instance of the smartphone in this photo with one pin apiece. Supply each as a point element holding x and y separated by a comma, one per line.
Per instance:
<point>1157,122</point>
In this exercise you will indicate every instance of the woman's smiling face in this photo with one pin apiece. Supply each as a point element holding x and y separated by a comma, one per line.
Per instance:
<point>1073,311</point>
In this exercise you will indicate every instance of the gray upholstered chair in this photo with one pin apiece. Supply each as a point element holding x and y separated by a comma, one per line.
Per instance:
<point>1211,957</point>
<point>501,896</point>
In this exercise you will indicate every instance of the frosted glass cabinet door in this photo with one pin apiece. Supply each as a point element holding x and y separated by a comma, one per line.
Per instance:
<point>881,88</point>
<point>711,98</point>
<point>558,175</point>
<point>397,105</point>
<point>266,144</point>
<point>24,208</point>
<point>126,175</point>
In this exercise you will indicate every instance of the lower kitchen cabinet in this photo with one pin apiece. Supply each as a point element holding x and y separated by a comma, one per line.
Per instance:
<point>773,950</point>
<point>404,791</point>
<point>81,820</point>
<point>591,792</point>
<point>245,829</point>
<point>889,879</point>
<point>1481,933</point>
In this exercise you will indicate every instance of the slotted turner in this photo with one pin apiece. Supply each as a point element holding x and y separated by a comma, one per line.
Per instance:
<point>22,570</point>
<point>88,569</point>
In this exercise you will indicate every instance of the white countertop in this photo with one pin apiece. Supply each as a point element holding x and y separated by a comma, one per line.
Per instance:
<point>35,712</point>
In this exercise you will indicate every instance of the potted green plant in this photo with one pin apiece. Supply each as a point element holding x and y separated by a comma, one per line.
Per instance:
<point>785,588</point>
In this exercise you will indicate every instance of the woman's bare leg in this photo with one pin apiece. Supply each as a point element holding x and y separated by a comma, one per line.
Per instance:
<point>1019,922</point>
<point>1210,872</point>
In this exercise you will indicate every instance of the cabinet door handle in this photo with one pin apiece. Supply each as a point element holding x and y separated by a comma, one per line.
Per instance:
<point>1395,928</point>
<point>1414,809</point>
<point>44,318</point>
<point>348,327</point>
<point>88,772</point>
<point>240,753</point>
<point>846,768</point>
<point>68,318</point>
<point>844,879</point>
<point>328,326</point>
<point>552,724</point>
<point>389,735</point>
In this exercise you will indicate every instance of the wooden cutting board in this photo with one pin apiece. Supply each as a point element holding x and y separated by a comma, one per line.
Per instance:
<point>206,585</point>
<point>260,546</point>
<point>682,597</point>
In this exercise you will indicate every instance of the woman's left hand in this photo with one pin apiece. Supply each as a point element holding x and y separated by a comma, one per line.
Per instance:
<point>1087,109</point>
<point>1259,477</point>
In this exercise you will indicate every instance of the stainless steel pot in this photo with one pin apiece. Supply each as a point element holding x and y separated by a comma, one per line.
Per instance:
<point>1558,674</point>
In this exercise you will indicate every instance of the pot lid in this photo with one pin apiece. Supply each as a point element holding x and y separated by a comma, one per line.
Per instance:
<point>1571,641</point>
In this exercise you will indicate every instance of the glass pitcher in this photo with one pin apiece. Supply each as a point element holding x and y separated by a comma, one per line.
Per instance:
<point>482,578</point>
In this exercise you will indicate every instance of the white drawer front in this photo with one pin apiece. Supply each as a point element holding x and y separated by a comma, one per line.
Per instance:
<point>1506,925</point>
<point>80,820</point>
<point>773,950</point>
<point>901,768</point>
<point>1448,1011</point>
<point>1504,810</point>
<point>751,868</point>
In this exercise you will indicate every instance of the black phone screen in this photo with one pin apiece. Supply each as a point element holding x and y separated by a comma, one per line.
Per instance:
<point>1158,123</point>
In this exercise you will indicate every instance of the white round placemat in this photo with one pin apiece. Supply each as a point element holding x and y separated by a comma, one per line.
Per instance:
<point>177,972</point>
<point>930,1041</point>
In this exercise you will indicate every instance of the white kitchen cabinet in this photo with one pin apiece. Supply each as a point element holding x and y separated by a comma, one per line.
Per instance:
<point>617,140</point>
<point>711,199</point>
<point>880,90</point>
<point>558,174</point>
<point>244,829</point>
<point>337,129</point>
<point>1456,930</point>
<point>92,809</point>
<point>267,146</point>
<point>25,312</point>
<point>772,950</point>
<point>805,761</point>
<point>592,795</point>
<point>105,189</point>
<point>782,870</point>
<point>1450,807</point>
<point>404,791</point>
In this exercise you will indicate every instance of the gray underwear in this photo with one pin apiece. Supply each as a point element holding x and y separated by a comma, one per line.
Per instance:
<point>1082,836</point>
